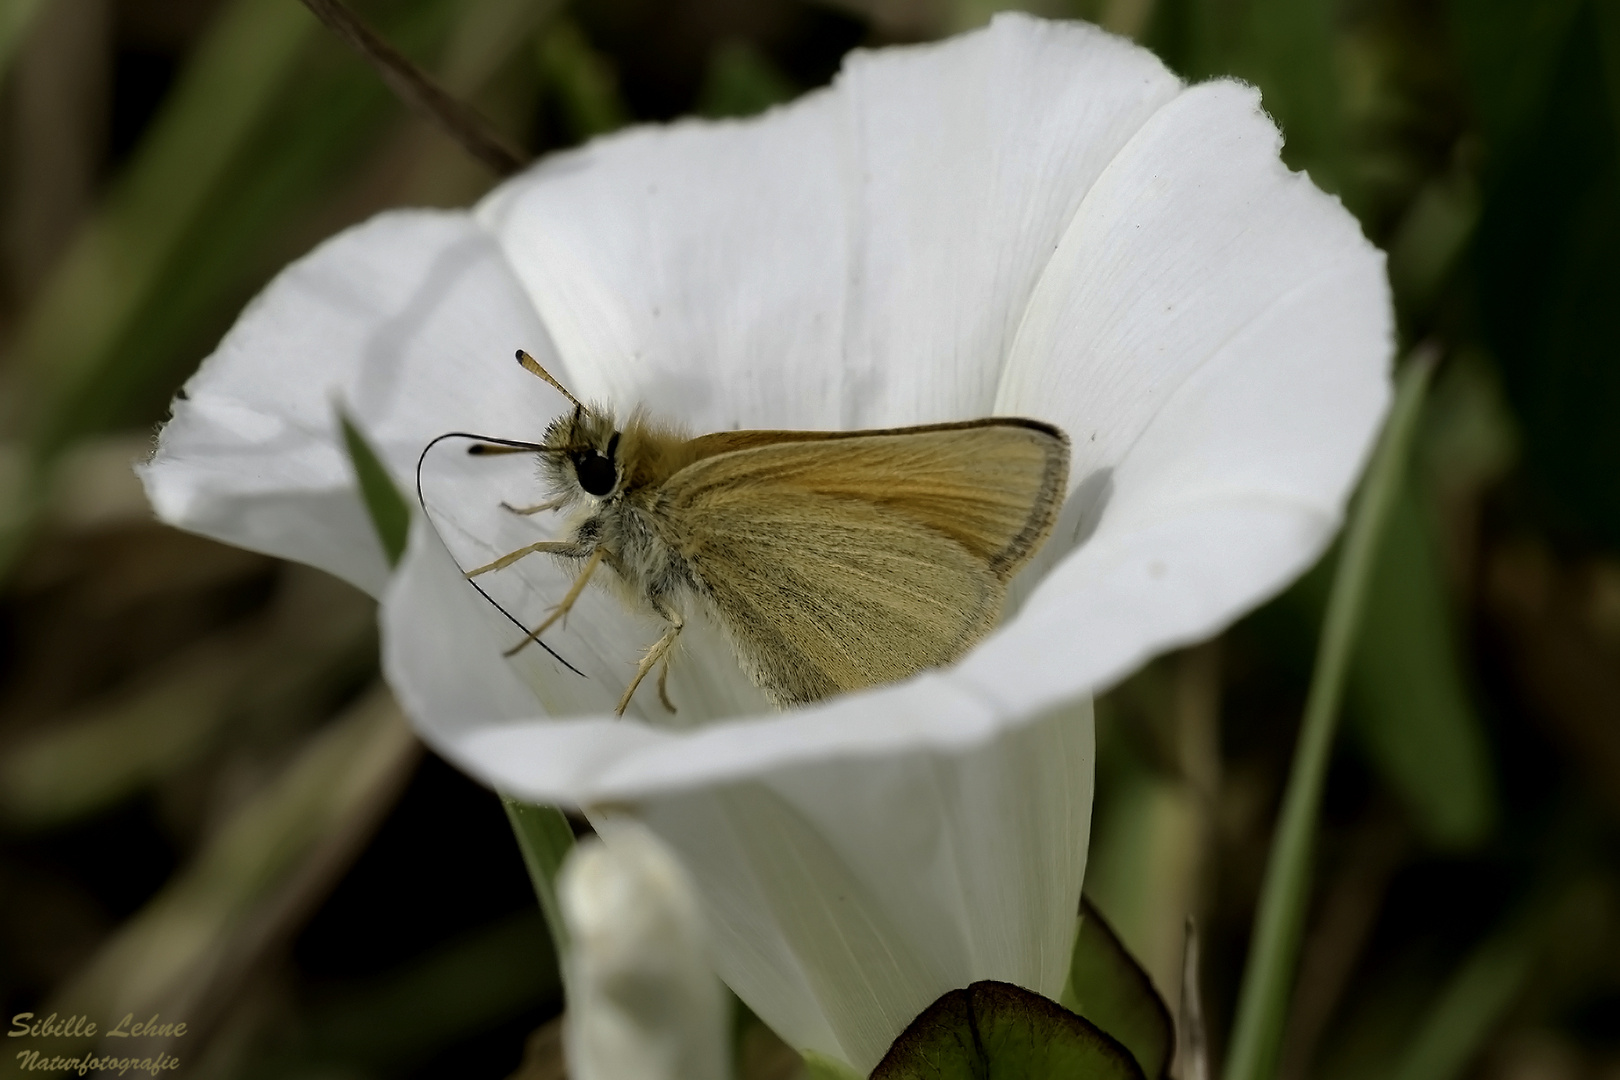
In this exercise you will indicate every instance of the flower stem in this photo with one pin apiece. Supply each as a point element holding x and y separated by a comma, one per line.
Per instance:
<point>1279,921</point>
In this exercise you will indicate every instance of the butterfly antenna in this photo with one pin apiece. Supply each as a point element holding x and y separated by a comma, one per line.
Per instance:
<point>490,444</point>
<point>532,366</point>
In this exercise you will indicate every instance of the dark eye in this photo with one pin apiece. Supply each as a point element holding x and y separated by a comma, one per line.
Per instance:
<point>596,472</point>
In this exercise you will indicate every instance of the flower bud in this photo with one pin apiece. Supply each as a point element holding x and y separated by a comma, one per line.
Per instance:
<point>644,1003</point>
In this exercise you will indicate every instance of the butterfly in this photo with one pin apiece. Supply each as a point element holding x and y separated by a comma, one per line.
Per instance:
<point>832,560</point>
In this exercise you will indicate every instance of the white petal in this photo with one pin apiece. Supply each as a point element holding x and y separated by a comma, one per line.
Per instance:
<point>1214,333</point>
<point>442,654</point>
<point>969,158</point>
<point>409,320</point>
<point>697,269</point>
<point>1198,249</point>
<point>405,318</point>
<point>860,258</point>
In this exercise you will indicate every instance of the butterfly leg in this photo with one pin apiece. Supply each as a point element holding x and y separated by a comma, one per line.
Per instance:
<point>659,651</point>
<point>566,603</point>
<point>663,685</point>
<point>556,547</point>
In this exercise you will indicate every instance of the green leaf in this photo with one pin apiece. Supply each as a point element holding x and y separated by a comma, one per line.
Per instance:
<point>1109,988</point>
<point>390,513</point>
<point>545,838</point>
<point>997,1031</point>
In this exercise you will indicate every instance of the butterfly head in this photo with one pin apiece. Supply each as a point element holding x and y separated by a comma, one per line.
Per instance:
<point>582,454</point>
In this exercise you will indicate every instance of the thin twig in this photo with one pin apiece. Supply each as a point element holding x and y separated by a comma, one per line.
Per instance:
<point>420,91</point>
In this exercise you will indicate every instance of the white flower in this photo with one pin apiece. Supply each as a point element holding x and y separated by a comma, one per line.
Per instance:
<point>1035,219</point>
<point>643,1002</point>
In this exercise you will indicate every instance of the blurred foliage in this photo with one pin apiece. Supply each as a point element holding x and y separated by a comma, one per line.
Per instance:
<point>1546,87</point>
<point>582,82</point>
<point>15,18</point>
<point>206,804</point>
<point>741,81</point>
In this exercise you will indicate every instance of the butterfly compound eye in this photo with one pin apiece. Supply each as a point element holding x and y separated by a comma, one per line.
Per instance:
<point>596,472</point>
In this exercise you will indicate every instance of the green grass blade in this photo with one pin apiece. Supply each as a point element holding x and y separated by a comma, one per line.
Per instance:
<point>390,513</point>
<point>1279,920</point>
<point>177,247</point>
<point>546,838</point>
<point>543,833</point>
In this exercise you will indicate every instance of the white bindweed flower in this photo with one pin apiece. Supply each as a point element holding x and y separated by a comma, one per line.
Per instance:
<point>643,1002</point>
<point>1034,219</point>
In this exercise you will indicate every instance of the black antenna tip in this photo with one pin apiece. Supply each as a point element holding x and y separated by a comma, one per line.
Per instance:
<point>518,356</point>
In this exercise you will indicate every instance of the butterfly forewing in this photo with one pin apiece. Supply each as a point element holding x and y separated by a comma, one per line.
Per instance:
<point>842,560</point>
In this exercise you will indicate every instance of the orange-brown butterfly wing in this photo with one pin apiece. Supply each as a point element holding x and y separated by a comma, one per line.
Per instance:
<point>838,560</point>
